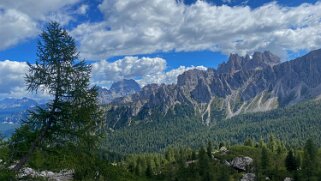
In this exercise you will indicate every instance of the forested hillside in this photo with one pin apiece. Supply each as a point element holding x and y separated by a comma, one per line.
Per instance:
<point>293,125</point>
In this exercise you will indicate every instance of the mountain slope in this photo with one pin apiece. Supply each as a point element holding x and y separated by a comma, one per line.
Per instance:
<point>292,124</point>
<point>241,85</point>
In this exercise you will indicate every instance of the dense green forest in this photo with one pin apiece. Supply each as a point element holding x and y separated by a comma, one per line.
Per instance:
<point>270,160</point>
<point>293,125</point>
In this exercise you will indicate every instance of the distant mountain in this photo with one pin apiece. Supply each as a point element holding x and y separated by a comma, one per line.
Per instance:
<point>13,110</point>
<point>242,85</point>
<point>118,89</point>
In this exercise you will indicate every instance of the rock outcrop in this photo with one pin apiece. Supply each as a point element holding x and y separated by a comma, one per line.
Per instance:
<point>118,89</point>
<point>64,175</point>
<point>248,177</point>
<point>247,84</point>
<point>242,163</point>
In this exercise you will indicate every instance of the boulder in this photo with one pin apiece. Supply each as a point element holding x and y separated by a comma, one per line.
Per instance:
<point>241,163</point>
<point>288,179</point>
<point>248,177</point>
<point>223,149</point>
<point>227,163</point>
<point>64,175</point>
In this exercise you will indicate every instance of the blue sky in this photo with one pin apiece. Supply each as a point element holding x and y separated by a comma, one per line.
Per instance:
<point>153,41</point>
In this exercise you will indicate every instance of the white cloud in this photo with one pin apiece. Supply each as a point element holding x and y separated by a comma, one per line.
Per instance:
<point>22,19</point>
<point>12,81</point>
<point>145,70</point>
<point>15,27</point>
<point>104,72</point>
<point>169,77</point>
<point>36,9</point>
<point>82,9</point>
<point>142,27</point>
<point>12,78</point>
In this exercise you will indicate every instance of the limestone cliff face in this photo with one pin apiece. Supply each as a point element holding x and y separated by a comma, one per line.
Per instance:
<point>118,89</point>
<point>241,85</point>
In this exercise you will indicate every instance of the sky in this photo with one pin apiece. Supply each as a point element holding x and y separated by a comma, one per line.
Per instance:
<point>153,41</point>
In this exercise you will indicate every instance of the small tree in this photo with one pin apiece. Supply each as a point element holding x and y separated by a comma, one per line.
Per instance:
<point>309,164</point>
<point>265,161</point>
<point>73,117</point>
<point>209,149</point>
<point>203,162</point>
<point>291,163</point>
<point>248,142</point>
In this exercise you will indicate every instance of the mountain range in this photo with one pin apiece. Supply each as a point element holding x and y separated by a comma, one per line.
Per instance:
<point>118,89</point>
<point>13,110</point>
<point>244,84</point>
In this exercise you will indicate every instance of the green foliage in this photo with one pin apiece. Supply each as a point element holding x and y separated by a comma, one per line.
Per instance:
<point>310,162</point>
<point>209,149</point>
<point>6,174</point>
<point>72,122</point>
<point>248,142</point>
<point>265,162</point>
<point>291,163</point>
<point>292,125</point>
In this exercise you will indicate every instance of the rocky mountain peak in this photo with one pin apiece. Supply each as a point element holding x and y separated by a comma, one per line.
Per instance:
<point>118,89</point>
<point>266,57</point>
<point>125,85</point>
<point>244,84</point>
<point>258,60</point>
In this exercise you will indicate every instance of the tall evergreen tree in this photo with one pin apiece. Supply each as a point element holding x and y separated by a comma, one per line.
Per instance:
<point>291,163</point>
<point>309,164</point>
<point>72,117</point>
<point>272,145</point>
<point>204,165</point>
<point>265,162</point>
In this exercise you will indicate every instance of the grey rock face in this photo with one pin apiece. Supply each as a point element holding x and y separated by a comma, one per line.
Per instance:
<point>64,175</point>
<point>126,86</point>
<point>288,179</point>
<point>248,177</point>
<point>241,163</point>
<point>118,89</point>
<point>256,62</point>
<point>241,85</point>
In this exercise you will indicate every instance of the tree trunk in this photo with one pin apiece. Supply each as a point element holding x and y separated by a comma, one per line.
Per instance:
<point>33,147</point>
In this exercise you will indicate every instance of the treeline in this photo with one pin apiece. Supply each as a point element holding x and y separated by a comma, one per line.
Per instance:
<point>292,125</point>
<point>271,161</point>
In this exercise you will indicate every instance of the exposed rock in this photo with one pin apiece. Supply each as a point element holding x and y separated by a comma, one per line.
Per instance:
<point>241,85</point>
<point>223,149</point>
<point>125,87</point>
<point>248,177</point>
<point>118,89</point>
<point>227,163</point>
<point>258,61</point>
<point>288,179</point>
<point>64,175</point>
<point>241,163</point>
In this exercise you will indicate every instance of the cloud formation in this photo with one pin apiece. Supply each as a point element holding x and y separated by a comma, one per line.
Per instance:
<point>15,27</point>
<point>21,20</point>
<point>12,81</point>
<point>142,27</point>
<point>12,78</point>
<point>145,70</point>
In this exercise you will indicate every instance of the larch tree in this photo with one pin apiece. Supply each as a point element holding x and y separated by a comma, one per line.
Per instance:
<point>72,117</point>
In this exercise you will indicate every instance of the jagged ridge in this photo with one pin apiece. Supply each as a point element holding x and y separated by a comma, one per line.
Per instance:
<point>241,85</point>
